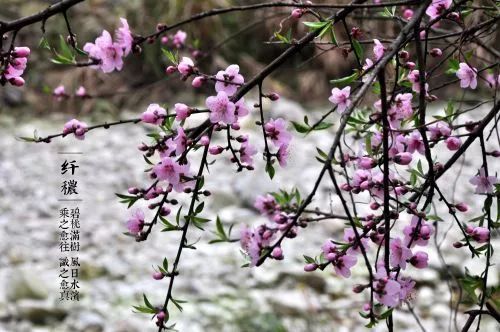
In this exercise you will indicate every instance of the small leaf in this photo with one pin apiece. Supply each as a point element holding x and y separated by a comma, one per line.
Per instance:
<point>345,80</point>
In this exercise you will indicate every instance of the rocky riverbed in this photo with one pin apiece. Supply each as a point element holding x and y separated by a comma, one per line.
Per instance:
<point>116,271</point>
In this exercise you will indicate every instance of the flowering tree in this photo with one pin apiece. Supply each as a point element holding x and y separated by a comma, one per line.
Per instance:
<point>383,156</point>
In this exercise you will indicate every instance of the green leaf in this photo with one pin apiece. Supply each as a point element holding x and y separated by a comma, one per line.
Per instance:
<point>316,25</point>
<point>199,208</point>
<point>144,310</point>
<point>345,80</point>
<point>358,49</point>
<point>323,126</point>
<point>300,127</point>
<point>170,56</point>
<point>453,66</point>
<point>270,170</point>
<point>147,303</point>
<point>65,50</point>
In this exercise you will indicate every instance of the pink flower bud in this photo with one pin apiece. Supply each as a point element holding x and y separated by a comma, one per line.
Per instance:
<point>481,234</point>
<point>165,211</point>
<point>453,143</point>
<point>297,13</point>
<point>404,55</point>
<point>310,267</point>
<point>345,187</point>
<point>161,316</point>
<point>420,260</point>
<point>235,126</point>
<point>198,81</point>
<point>21,52</point>
<point>403,158</point>
<point>410,65</point>
<point>331,256</point>
<point>182,111</point>
<point>158,276</point>
<point>458,244</point>
<point>495,153</point>
<point>462,207</point>
<point>133,190</point>
<point>171,69</point>
<point>408,14</point>
<point>17,81</point>
<point>469,229</point>
<point>215,150</point>
<point>204,140</point>
<point>454,16</point>
<point>164,39</point>
<point>358,288</point>
<point>277,253</point>
<point>374,205</point>
<point>366,163</point>
<point>436,52</point>
<point>274,96</point>
<point>423,35</point>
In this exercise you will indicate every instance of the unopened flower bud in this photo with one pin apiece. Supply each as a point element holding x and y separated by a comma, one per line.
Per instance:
<point>458,244</point>
<point>310,267</point>
<point>215,150</point>
<point>277,253</point>
<point>21,52</point>
<point>171,69</point>
<point>462,207</point>
<point>198,81</point>
<point>374,205</point>
<point>410,65</point>
<point>297,13</point>
<point>158,276</point>
<point>204,140</point>
<point>404,55</point>
<point>165,211</point>
<point>408,14</point>
<point>133,190</point>
<point>273,96</point>
<point>235,126</point>
<point>164,39</point>
<point>436,52</point>
<point>17,81</point>
<point>403,158</point>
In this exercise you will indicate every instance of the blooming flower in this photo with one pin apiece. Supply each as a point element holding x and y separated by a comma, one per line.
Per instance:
<point>350,237</point>
<point>420,237</point>
<point>484,184</point>
<point>180,141</point>
<point>414,78</point>
<point>154,114</point>
<point>492,81</point>
<point>221,108</point>
<point>266,205</point>
<point>181,111</point>
<point>241,109</point>
<point>79,128</point>
<point>378,49</point>
<point>437,7</point>
<point>415,143</point>
<point>136,222</point>
<point>453,143</point>
<point>247,151</point>
<point>229,80</point>
<point>59,93</point>
<point>368,64</point>
<point>81,92</point>
<point>171,171</point>
<point>124,37</point>
<point>480,234</point>
<point>343,264</point>
<point>467,76</point>
<point>179,38</point>
<point>108,53</point>
<point>185,66</point>
<point>439,129</point>
<point>419,260</point>
<point>399,253</point>
<point>341,98</point>
<point>387,291</point>
<point>16,66</point>
<point>276,131</point>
